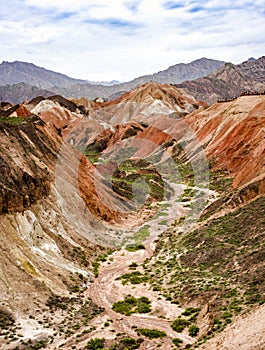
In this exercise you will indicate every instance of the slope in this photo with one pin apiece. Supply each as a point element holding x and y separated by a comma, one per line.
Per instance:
<point>228,81</point>
<point>20,92</point>
<point>28,73</point>
<point>51,221</point>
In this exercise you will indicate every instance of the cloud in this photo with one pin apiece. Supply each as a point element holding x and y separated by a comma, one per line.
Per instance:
<point>122,39</point>
<point>171,5</point>
<point>112,23</point>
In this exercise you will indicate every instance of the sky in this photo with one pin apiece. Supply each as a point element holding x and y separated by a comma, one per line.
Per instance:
<point>107,40</point>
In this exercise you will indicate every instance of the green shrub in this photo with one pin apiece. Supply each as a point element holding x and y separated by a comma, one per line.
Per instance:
<point>134,247</point>
<point>177,341</point>
<point>134,278</point>
<point>95,344</point>
<point>133,265</point>
<point>132,305</point>
<point>191,311</point>
<point>131,343</point>
<point>151,333</point>
<point>193,330</point>
<point>179,324</point>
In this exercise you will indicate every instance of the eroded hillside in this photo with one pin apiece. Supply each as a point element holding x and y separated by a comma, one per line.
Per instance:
<point>179,185</point>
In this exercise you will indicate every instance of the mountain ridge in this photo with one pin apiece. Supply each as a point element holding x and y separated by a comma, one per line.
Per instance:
<point>12,73</point>
<point>217,80</point>
<point>29,73</point>
<point>228,81</point>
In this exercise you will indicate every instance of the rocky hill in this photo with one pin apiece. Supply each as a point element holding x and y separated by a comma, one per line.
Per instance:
<point>20,92</point>
<point>228,81</point>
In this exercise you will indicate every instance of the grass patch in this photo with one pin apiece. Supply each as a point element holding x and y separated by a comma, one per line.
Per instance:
<point>142,234</point>
<point>163,222</point>
<point>12,120</point>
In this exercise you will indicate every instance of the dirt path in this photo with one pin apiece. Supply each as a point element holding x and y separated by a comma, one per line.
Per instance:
<point>106,289</point>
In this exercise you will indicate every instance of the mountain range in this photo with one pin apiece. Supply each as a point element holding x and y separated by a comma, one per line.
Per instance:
<point>14,73</point>
<point>207,80</point>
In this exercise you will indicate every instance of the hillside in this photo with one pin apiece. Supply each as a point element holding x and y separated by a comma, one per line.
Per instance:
<point>20,92</point>
<point>228,81</point>
<point>47,249</point>
<point>22,72</point>
<point>176,185</point>
<point>146,102</point>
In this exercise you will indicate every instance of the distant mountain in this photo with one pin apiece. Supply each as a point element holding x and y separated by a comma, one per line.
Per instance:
<point>182,71</point>
<point>107,83</point>
<point>20,92</point>
<point>205,79</point>
<point>172,75</point>
<point>228,81</point>
<point>30,74</point>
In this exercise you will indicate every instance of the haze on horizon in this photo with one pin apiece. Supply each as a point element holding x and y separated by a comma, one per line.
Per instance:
<point>122,39</point>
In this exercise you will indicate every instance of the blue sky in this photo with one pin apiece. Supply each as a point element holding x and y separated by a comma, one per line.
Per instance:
<point>122,39</point>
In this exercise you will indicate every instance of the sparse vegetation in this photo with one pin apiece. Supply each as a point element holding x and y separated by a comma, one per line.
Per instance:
<point>6,320</point>
<point>131,343</point>
<point>191,265</point>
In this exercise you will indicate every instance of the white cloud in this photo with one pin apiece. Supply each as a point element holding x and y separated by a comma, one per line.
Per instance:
<point>122,39</point>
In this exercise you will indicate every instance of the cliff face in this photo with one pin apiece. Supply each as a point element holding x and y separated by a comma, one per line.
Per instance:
<point>233,136</point>
<point>25,152</point>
